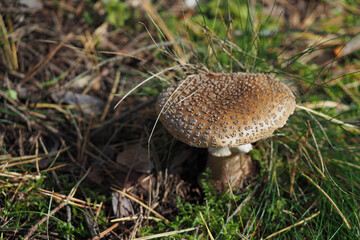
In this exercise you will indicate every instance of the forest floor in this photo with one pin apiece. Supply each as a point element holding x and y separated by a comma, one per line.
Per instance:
<point>74,166</point>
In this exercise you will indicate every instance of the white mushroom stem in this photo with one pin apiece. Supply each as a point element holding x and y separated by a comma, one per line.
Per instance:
<point>219,152</point>
<point>242,148</point>
<point>225,151</point>
<point>230,166</point>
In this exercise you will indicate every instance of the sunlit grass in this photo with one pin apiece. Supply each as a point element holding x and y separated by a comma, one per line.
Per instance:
<point>308,186</point>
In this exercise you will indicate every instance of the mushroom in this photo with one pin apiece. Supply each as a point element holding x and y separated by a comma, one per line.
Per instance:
<point>226,113</point>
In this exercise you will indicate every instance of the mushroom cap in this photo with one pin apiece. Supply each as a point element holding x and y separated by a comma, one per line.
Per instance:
<point>225,110</point>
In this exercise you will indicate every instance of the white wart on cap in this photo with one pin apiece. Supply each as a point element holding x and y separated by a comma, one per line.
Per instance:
<point>218,110</point>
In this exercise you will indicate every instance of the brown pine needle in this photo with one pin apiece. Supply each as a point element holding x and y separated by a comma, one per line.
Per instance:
<point>292,226</point>
<point>17,176</point>
<point>207,228</point>
<point>70,200</point>
<point>331,201</point>
<point>106,232</point>
<point>14,161</point>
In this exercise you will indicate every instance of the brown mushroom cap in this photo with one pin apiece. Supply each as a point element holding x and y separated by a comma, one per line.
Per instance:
<point>225,110</point>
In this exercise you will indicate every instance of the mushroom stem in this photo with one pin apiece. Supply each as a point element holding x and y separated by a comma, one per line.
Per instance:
<point>234,169</point>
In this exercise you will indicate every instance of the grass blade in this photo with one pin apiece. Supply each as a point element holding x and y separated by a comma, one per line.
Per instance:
<point>331,201</point>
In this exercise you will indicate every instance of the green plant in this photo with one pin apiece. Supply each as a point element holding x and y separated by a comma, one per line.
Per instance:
<point>118,12</point>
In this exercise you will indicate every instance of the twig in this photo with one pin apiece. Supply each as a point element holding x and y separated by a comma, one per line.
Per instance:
<point>36,226</point>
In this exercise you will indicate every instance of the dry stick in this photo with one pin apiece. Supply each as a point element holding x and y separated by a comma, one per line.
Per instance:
<point>46,60</point>
<point>292,226</point>
<point>141,203</point>
<point>36,226</point>
<point>328,197</point>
